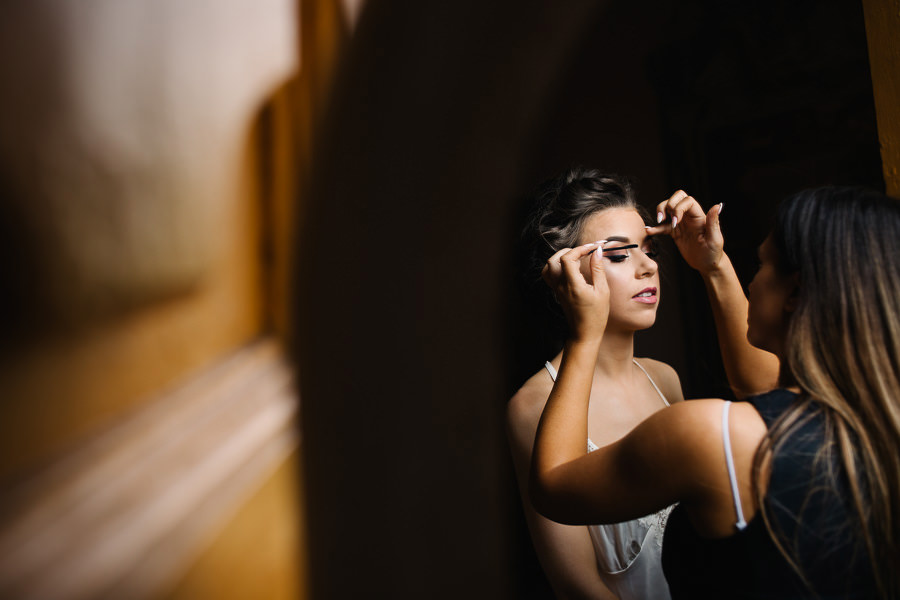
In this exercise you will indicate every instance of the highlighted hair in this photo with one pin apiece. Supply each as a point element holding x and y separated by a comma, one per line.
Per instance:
<point>843,351</point>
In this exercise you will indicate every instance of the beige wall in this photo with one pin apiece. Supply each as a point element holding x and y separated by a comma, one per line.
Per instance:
<point>124,126</point>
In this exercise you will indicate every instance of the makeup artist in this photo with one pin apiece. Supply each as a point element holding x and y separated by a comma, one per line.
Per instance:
<point>794,492</point>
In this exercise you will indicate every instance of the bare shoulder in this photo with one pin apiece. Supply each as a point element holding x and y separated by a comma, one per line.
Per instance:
<point>747,427</point>
<point>523,412</point>
<point>686,424</point>
<point>700,422</point>
<point>665,377</point>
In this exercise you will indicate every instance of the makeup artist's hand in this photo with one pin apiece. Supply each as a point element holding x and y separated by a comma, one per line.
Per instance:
<point>697,234</point>
<point>585,303</point>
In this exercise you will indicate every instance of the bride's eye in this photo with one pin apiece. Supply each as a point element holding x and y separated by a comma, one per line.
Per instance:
<point>618,254</point>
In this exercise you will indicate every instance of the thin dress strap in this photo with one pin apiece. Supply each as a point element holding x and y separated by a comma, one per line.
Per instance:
<point>729,461</point>
<point>591,445</point>
<point>653,383</point>
<point>550,369</point>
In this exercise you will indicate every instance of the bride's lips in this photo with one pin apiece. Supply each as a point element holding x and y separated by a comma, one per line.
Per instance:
<point>646,296</point>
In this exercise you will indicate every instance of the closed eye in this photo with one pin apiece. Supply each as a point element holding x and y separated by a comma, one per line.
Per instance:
<point>623,253</point>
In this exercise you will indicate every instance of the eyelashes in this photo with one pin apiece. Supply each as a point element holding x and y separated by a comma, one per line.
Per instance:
<point>650,253</point>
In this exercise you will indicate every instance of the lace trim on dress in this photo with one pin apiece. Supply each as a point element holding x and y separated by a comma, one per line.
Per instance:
<point>658,521</point>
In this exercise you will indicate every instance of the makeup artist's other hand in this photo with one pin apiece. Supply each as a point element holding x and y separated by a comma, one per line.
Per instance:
<point>697,234</point>
<point>584,302</point>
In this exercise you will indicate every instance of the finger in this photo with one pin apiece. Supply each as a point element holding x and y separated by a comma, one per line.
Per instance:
<point>555,258</point>
<point>662,209</point>
<point>686,207</point>
<point>571,261</point>
<point>553,269</point>
<point>664,229</point>
<point>597,270</point>
<point>554,262</point>
<point>579,252</point>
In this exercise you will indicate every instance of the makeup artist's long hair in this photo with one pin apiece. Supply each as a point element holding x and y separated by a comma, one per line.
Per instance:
<point>843,351</point>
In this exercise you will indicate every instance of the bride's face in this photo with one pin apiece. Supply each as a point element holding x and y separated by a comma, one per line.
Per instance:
<point>632,274</point>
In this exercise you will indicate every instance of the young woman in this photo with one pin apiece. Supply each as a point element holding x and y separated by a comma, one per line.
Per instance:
<point>796,492</point>
<point>620,560</point>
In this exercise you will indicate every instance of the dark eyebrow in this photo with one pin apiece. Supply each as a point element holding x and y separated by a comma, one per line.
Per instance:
<point>625,238</point>
<point>618,238</point>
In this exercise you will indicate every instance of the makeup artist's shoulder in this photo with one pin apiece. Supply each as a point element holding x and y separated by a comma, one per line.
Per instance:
<point>525,407</point>
<point>665,377</point>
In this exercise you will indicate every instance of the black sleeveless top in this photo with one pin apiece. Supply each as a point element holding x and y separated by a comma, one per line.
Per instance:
<point>811,508</point>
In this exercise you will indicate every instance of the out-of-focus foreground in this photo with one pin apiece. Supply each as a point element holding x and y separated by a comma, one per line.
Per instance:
<point>150,153</point>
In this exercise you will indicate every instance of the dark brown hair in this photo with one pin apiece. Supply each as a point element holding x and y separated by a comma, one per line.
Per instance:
<point>560,207</point>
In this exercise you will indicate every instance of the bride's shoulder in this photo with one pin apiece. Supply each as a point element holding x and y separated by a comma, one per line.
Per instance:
<point>665,377</point>
<point>525,407</point>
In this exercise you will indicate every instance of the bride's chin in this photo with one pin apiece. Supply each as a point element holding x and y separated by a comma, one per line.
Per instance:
<point>635,326</point>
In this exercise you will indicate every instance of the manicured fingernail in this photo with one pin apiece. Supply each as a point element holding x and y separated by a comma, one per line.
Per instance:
<point>721,206</point>
<point>674,222</point>
<point>647,227</point>
<point>659,217</point>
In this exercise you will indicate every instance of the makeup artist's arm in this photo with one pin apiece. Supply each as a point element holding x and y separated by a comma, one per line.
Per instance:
<point>699,239</point>
<point>567,484</point>
<point>672,456</point>
<point>586,306</point>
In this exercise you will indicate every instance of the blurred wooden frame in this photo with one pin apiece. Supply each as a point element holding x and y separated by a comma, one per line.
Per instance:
<point>94,506</point>
<point>288,127</point>
<point>882,24</point>
<point>130,470</point>
<point>125,512</point>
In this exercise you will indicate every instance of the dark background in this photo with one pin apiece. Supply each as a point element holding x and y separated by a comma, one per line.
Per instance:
<point>445,116</point>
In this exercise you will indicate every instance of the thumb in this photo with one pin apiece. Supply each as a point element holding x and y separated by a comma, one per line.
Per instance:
<point>713,231</point>
<point>597,271</point>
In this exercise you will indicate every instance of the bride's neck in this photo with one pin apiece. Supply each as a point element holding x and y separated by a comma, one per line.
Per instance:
<point>616,354</point>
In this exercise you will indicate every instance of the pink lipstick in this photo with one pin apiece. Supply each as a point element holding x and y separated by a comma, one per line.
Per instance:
<point>646,296</point>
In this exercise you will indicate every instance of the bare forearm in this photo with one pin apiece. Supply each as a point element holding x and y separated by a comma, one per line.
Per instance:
<point>749,369</point>
<point>562,430</point>
<point>567,556</point>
